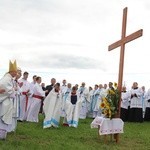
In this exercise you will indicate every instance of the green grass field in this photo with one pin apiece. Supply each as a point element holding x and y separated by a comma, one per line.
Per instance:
<point>31,136</point>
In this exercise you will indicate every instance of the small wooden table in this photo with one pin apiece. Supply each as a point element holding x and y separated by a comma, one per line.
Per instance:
<point>108,126</point>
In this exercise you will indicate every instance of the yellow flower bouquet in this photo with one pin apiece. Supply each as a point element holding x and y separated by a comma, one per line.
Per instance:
<point>109,104</point>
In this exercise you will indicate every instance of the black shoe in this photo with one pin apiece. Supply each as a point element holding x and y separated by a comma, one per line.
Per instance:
<point>20,121</point>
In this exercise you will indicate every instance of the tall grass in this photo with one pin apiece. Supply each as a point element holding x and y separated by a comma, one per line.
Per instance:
<point>31,136</point>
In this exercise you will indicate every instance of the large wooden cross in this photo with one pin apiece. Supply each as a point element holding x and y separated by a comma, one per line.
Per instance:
<point>124,39</point>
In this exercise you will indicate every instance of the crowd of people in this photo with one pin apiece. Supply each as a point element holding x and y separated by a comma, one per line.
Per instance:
<point>21,101</point>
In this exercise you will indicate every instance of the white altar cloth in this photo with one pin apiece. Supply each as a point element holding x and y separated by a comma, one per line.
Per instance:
<point>108,126</point>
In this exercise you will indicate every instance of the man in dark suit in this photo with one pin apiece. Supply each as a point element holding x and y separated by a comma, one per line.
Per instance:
<point>50,87</point>
<point>111,86</point>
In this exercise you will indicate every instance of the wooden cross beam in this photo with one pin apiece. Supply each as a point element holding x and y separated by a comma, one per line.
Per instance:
<point>124,39</point>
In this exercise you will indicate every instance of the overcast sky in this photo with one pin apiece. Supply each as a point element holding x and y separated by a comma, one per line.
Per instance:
<point>69,39</point>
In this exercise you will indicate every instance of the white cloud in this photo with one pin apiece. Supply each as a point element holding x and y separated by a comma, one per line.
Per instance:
<point>36,31</point>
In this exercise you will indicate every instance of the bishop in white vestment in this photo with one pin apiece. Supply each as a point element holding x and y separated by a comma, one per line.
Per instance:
<point>6,99</point>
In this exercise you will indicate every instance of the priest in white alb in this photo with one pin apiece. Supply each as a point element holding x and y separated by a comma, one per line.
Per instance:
<point>16,100</point>
<point>24,99</point>
<point>147,105</point>
<point>72,108</point>
<point>125,98</point>
<point>84,94</point>
<point>52,107</point>
<point>136,110</point>
<point>35,105</point>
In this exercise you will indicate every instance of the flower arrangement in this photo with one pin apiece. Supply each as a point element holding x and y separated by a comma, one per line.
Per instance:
<point>109,104</point>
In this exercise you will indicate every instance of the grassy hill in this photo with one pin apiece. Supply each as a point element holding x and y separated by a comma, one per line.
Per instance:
<point>31,136</point>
